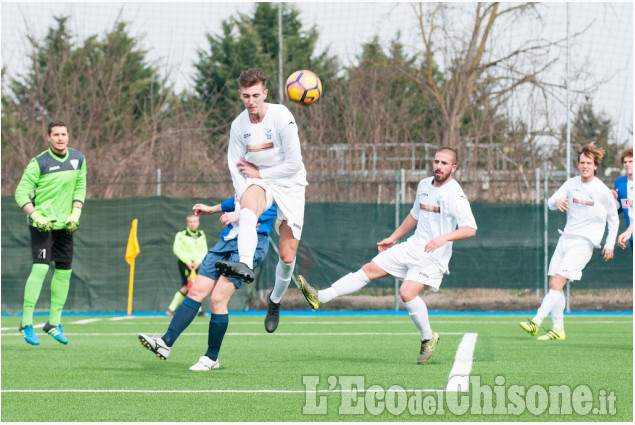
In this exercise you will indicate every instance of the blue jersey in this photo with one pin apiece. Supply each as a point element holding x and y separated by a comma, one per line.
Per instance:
<point>621,185</point>
<point>265,221</point>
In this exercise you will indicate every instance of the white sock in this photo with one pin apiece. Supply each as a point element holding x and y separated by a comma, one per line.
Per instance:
<point>345,285</point>
<point>247,237</point>
<point>419,315</point>
<point>284,272</point>
<point>557,312</point>
<point>548,302</point>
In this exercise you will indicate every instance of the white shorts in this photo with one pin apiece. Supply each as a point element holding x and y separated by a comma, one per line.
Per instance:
<point>290,203</point>
<point>403,262</point>
<point>570,257</point>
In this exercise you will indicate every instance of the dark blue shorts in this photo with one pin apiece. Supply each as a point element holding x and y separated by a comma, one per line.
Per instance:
<point>228,251</point>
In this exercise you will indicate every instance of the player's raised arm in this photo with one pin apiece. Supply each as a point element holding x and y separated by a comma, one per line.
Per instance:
<point>202,209</point>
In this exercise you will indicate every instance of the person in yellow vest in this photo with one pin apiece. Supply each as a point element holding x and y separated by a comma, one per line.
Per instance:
<point>190,247</point>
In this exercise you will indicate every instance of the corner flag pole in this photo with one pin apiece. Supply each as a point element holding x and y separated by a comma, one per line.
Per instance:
<point>132,250</point>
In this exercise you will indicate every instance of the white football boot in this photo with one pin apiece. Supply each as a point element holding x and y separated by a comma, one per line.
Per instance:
<point>205,363</point>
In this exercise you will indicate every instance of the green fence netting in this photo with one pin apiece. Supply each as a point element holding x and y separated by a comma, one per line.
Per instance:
<point>508,251</point>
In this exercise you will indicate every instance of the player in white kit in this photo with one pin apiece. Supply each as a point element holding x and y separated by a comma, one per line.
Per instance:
<point>440,215</point>
<point>589,205</point>
<point>265,162</point>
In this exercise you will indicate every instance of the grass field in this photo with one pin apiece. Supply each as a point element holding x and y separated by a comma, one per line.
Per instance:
<point>319,367</point>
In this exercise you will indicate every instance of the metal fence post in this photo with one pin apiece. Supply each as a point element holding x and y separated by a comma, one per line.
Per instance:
<point>546,234</point>
<point>158,182</point>
<point>397,214</point>
<point>537,213</point>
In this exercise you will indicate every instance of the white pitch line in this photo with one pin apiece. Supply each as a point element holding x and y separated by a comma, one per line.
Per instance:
<point>459,379</point>
<point>250,391</point>
<point>122,318</point>
<point>84,321</point>
<point>406,321</point>
<point>39,325</point>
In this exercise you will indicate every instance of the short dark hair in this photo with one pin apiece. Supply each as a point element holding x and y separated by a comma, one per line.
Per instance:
<point>626,153</point>
<point>56,123</point>
<point>251,77</point>
<point>452,151</point>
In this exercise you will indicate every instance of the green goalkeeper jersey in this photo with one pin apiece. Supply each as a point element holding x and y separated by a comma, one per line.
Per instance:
<point>52,183</point>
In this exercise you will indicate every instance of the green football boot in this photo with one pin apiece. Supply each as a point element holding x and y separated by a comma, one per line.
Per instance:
<point>530,327</point>
<point>554,334</point>
<point>427,348</point>
<point>309,292</point>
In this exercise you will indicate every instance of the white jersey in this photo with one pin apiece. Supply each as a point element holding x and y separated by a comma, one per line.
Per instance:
<point>272,145</point>
<point>591,206</point>
<point>439,210</point>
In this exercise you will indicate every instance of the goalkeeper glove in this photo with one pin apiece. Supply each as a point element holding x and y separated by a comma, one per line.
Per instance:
<point>72,222</point>
<point>42,223</point>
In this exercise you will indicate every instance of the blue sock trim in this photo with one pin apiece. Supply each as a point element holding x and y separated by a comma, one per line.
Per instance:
<point>219,318</point>
<point>191,303</point>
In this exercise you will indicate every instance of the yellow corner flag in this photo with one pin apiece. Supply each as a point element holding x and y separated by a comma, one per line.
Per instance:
<point>132,250</point>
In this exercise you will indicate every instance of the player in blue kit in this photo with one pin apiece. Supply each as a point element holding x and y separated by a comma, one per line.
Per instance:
<point>208,280</point>
<point>624,188</point>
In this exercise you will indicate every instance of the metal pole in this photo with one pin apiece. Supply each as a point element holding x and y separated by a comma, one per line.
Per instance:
<point>568,102</point>
<point>546,234</point>
<point>397,214</point>
<point>280,86</point>
<point>568,133</point>
<point>537,186</point>
<point>537,212</point>
<point>568,309</point>
<point>403,186</point>
<point>158,182</point>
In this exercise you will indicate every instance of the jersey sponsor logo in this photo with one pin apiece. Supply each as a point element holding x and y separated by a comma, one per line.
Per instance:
<point>291,123</point>
<point>297,226</point>
<point>423,274</point>
<point>627,203</point>
<point>74,163</point>
<point>430,208</point>
<point>583,202</point>
<point>259,148</point>
<point>56,167</point>
<point>246,135</point>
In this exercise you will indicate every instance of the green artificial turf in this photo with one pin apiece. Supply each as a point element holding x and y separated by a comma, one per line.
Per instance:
<point>104,374</point>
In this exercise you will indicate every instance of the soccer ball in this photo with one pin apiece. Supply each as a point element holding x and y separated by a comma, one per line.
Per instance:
<point>304,87</point>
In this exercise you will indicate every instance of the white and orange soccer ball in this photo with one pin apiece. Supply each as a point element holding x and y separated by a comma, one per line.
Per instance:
<point>304,87</point>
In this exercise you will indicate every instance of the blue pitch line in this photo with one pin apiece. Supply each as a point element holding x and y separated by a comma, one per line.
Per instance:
<point>341,313</point>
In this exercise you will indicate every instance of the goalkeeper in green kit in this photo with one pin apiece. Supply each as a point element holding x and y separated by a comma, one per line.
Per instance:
<point>52,193</point>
